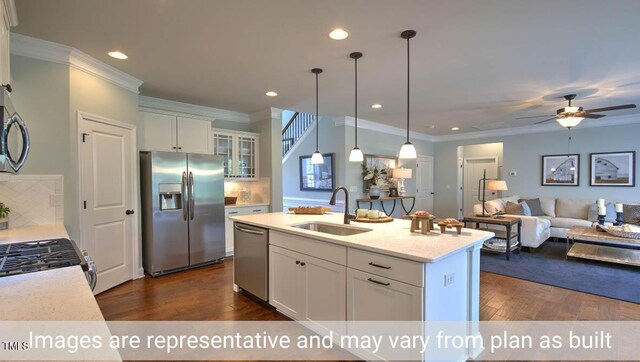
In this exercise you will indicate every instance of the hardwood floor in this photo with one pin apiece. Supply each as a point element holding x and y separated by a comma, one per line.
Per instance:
<point>206,294</point>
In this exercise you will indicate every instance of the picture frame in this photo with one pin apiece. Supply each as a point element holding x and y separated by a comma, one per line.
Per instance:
<point>317,177</point>
<point>616,169</point>
<point>384,165</point>
<point>561,170</point>
<point>393,192</point>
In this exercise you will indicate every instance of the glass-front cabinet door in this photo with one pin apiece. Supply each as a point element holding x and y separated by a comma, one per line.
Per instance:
<point>246,157</point>
<point>239,151</point>
<point>223,146</point>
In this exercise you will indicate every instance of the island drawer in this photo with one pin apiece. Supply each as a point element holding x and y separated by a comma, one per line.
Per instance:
<point>403,270</point>
<point>319,249</point>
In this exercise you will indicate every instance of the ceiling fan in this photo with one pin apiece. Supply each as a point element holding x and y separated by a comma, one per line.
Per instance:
<point>571,116</point>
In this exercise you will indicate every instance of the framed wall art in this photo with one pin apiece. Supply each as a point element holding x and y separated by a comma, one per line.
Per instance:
<point>376,170</point>
<point>613,169</point>
<point>561,170</point>
<point>317,177</point>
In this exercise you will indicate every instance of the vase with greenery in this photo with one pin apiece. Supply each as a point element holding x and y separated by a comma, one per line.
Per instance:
<point>372,176</point>
<point>4,216</point>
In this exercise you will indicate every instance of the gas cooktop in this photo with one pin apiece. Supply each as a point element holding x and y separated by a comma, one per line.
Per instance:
<point>33,256</point>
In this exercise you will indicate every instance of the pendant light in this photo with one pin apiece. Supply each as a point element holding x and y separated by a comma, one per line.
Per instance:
<point>317,158</point>
<point>407,150</point>
<point>356,154</point>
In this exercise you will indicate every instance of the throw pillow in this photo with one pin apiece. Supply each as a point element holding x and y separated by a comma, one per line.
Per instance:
<point>513,208</point>
<point>609,217</point>
<point>521,208</point>
<point>631,214</point>
<point>534,205</point>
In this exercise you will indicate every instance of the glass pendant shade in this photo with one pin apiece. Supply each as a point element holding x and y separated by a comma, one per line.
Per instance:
<point>356,155</point>
<point>407,151</point>
<point>316,158</point>
<point>569,122</point>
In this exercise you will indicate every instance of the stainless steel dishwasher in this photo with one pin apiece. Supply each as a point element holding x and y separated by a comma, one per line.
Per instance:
<point>251,259</point>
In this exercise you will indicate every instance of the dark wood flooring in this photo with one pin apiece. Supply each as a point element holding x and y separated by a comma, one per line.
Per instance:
<point>206,293</point>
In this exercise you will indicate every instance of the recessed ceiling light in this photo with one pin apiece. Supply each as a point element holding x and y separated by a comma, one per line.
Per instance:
<point>376,106</point>
<point>271,94</point>
<point>338,34</point>
<point>432,126</point>
<point>118,55</point>
<point>455,128</point>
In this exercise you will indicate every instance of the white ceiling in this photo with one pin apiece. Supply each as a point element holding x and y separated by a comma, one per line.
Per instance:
<point>474,63</point>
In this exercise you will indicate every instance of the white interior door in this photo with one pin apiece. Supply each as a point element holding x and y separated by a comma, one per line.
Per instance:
<point>472,172</point>
<point>424,183</point>
<point>106,191</point>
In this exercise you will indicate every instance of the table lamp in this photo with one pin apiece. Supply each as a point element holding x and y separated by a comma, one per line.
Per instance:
<point>401,174</point>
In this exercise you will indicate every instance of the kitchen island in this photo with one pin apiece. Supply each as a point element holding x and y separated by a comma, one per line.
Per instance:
<point>380,272</point>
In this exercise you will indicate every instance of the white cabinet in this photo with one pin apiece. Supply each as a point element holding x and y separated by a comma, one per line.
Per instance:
<point>230,211</point>
<point>305,287</point>
<point>374,298</point>
<point>8,18</point>
<point>172,133</point>
<point>239,151</point>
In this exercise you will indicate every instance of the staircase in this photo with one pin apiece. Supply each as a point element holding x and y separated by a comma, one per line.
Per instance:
<point>294,129</point>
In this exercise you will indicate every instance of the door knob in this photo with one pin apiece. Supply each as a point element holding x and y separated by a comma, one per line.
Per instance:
<point>129,212</point>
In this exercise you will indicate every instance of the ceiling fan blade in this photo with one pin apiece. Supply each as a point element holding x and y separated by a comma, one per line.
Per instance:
<point>594,116</point>
<point>546,120</point>
<point>546,115</point>
<point>614,108</point>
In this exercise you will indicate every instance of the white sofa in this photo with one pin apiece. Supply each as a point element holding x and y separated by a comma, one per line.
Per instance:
<point>560,216</point>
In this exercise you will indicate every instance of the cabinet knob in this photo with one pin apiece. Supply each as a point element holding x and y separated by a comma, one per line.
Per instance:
<point>179,148</point>
<point>174,147</point>
<point>297,261</point>
<point>129,212</point>
<point>303,263</point>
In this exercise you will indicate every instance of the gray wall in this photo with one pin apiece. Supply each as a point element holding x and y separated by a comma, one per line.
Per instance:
<point>340,140</point>
<point>49,96</point>
<point>522,153</point>
<point>270,151</point>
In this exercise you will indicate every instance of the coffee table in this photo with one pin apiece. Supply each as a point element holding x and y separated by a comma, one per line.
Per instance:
<point>589,243</point>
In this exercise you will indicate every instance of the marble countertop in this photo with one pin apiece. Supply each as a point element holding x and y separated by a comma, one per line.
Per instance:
<point>30,233</point>
<point>393,238</point>
<point>61,294</point>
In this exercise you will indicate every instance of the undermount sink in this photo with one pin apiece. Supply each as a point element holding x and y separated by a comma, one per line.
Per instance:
<point>329,228</point>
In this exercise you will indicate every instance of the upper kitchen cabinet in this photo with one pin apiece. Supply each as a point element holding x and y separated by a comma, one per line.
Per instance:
<point>8,18</point>
<point>239,151</point>
<point>173,133</point>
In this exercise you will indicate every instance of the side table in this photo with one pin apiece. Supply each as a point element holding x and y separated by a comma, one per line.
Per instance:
<point>508,222</point>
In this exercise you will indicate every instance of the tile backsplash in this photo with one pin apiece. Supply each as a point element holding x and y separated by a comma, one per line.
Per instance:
<point>33,199</point>
<point>259,191</point>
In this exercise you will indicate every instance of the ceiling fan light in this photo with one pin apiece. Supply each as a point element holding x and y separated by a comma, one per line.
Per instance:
<point>316,158</point>
<point>569,122</point>
<point>571,109</point>
<point>356,155</point>
<point>407,151</point>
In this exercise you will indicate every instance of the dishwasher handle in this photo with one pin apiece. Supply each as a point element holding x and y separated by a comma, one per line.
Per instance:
<point>255,232</point>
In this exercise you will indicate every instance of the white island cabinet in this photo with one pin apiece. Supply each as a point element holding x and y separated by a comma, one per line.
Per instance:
<point>385,273</point>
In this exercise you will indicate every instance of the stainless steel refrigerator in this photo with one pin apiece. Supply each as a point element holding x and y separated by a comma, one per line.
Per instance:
<point>182,210</point>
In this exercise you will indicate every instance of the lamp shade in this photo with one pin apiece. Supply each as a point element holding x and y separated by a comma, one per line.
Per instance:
<point>356,155</point>
<point>569,122</point>
<point>497,185</point>
<point>316,158</point>
<point>403,173</point>
<point>407,151</point>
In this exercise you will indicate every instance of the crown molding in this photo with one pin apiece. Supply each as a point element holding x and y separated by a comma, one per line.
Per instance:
<point>30,47</point>
<point>383,128</point>
<point>10,12</point>
<point>551,127</point>
<point>192,109</point>
<point>269,113</point>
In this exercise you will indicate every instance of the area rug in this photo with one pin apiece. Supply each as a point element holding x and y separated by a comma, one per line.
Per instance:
<point>549,266</point>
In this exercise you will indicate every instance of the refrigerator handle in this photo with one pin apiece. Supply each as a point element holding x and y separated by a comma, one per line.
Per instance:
<point>192,197</point>
<point>184,195</point>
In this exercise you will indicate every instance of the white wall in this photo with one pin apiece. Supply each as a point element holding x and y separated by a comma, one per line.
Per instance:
<point>522,153</point>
